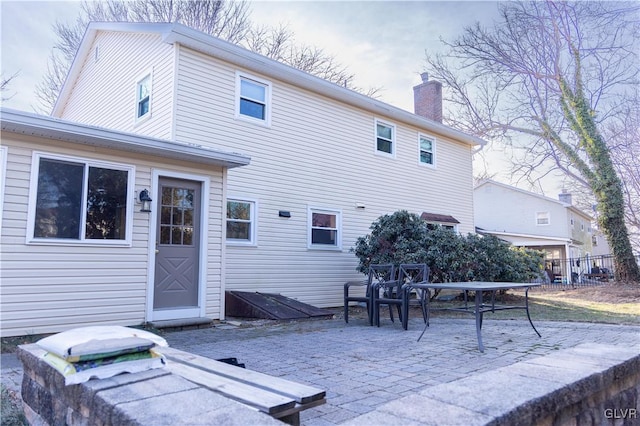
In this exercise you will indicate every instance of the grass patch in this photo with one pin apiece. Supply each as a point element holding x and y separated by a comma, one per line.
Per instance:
<point>11,409</point>
<point>554,306</point>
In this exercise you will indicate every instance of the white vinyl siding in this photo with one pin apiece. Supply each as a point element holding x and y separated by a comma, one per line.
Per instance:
<point>104,93</point>
<point>294,163</point>
<point>3,173</point>
<point>50,289</point>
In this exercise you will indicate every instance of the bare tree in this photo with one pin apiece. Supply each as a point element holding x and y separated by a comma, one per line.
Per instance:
<point>552,78</point>
<point>4,86</point>
<point>226,19</point>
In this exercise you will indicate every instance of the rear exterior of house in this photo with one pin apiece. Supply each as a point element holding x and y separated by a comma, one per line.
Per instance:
<point>526,219</point>
<point>75,247</point>
<point>325,161</point>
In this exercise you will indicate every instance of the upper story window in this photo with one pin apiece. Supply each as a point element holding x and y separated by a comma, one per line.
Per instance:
<point>253,99</point>
<point>427,150</point>
<point>324,229</point>
<point>241,221</point>
<point>385,138</point>
<point>74,200</point>
<point>143,97</point>
<point>542,218</point>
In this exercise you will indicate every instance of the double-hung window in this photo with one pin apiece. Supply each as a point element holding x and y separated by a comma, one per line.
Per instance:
<point>427,150</point>
<point>324,229</point>
<point>143,97</point>
<point>241,222</point>
<point>253,99</point>
<point>385,138</point>
<point>542,218</point>
<point>75,200</point>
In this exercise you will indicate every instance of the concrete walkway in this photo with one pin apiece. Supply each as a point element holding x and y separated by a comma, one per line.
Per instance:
<point>362,367</point>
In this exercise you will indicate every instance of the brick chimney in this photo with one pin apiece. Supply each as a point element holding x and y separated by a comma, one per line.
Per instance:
<point>565,197</point>
<point>427,98</point>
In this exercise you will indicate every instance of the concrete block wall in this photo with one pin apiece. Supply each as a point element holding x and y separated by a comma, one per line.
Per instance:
<point>154,397</point>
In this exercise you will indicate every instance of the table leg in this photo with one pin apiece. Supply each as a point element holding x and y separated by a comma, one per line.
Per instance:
<point>479,319</point>
<point>428,302</point>
<point>526,304</point>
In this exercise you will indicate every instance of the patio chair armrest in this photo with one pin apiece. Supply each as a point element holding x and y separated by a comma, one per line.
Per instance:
<point>354,283</point>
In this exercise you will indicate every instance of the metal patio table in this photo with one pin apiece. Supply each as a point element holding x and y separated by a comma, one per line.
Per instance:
<point>479,308</point>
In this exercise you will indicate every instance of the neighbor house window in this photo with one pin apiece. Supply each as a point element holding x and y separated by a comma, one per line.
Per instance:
<point>542,218</point>
<point>427,146</point>
<point>253,97</point>
<point>80,200</point>
<point>324,228</point>
<point>241,220</point>
<point>143,97</point>
<point>385,138</point>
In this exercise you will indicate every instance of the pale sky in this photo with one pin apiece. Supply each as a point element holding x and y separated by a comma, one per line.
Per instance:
<point>382,43</point>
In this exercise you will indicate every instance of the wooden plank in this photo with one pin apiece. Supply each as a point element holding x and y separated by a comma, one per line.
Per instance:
<point>305,308</point>
<point>303,394</point>
<point>265,401</point>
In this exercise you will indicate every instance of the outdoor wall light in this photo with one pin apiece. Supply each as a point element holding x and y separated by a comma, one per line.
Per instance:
<point>146,201</point>
<point>284,213</point>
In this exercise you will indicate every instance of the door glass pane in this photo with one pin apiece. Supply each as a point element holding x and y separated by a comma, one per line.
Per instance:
<point>59,199</point>
<point>177,211</point>
<point>106,204</point>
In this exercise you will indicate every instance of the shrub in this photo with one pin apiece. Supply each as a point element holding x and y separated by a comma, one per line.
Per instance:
<point>403,237</point>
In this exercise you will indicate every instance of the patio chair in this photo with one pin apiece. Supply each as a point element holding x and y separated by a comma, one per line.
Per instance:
<point>414,277</point>
<point>376,274</point>
<point>386,291</point>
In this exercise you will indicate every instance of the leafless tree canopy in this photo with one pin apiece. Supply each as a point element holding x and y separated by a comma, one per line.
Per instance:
<point>226,19</point>
<point>4,86</point>
<point>556,82</point>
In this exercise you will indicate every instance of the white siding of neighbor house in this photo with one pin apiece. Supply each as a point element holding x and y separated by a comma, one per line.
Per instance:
<point>503,209</point>
<point>105,93</point>
<point>50,288</point>
<point>316,153</point>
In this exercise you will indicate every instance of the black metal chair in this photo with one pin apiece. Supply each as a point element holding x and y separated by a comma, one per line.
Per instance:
<point>377,273</point>
<point>386,291</point>
<point>414,277</point>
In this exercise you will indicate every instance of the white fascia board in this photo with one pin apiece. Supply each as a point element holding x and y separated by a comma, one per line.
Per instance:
<point>20,122</point>
<point>558,240</point>
<point>234,54</point>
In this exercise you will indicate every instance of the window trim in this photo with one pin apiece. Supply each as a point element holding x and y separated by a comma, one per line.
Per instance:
<point>338,214</point>
<point>394,138</point>
<point>139,80</point>
<point>253,242</point>
<point>433,139</point>
<point>548,217</point>
<point>240,76</point>
<point>82,241</point>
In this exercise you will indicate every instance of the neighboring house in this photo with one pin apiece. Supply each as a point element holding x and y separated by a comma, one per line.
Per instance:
<point>76,249</point>
<point>526,219</point>
<point>325,163</point>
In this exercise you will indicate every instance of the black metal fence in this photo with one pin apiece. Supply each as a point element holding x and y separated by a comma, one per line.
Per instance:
<point>576,272</point>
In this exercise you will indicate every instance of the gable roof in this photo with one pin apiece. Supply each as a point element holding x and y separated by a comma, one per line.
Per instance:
<point>21,122</point>
<point>532,194</point>
<point>174,33</point>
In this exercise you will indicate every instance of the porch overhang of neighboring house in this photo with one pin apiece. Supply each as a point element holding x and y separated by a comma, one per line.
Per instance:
<point>524,240</point>
<point>20,122</point>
